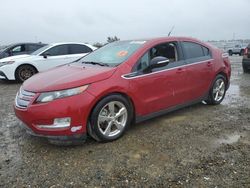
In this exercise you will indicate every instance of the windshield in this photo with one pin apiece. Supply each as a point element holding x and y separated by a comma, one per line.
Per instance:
<point>113,54</point>
<point>37,52</point>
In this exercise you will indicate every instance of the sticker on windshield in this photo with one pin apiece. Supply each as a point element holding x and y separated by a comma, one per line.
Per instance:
<point>122,53</point>
<point>137,42</point>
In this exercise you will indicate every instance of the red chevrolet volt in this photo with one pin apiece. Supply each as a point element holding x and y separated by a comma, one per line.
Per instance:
<point>123,82</point>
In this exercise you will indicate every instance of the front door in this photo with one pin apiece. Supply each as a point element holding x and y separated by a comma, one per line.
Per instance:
<point>160,88</point>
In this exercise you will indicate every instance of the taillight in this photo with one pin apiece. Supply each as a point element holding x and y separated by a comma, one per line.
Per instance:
<point>246,51</point>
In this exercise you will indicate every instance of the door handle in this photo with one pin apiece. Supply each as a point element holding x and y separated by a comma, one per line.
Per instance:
<point>179,70</point>
<point>209,64</point>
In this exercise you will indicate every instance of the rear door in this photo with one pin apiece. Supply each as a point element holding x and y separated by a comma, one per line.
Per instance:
<point>199,67</point>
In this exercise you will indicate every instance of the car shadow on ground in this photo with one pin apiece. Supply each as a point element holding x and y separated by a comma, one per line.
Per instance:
<point>7,82</point>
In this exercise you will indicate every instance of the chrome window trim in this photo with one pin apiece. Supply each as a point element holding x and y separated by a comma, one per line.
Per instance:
<point>139,76</point>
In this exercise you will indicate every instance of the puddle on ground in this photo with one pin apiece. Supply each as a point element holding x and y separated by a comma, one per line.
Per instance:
<point>232,95</point>
<point>227,139</point>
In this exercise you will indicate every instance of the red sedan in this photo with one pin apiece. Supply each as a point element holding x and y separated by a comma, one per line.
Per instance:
<point>121,83</point>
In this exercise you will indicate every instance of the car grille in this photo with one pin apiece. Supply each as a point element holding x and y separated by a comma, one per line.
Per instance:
<point>23,98</point>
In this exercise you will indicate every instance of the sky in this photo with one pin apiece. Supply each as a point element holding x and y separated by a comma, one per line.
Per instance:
<point>94,20</point>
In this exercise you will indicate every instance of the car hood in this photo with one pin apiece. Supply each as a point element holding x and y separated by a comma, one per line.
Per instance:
<point>14,58</point>
<point>67,76</point>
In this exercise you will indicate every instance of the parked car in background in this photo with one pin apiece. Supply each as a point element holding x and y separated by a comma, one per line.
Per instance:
<point>22,67</point>
<point>246,60</point>
<point>125,81</point>
<point>19,48</point>
<point>237,49</point>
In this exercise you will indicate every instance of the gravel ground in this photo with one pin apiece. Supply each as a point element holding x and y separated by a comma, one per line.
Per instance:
<point>199,146</point>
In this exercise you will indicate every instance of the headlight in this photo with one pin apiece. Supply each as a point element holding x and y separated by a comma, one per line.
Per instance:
<point>6,63</point>
<point>50,96</point>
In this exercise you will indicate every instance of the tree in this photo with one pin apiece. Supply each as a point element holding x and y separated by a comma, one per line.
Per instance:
<point>112,39</point>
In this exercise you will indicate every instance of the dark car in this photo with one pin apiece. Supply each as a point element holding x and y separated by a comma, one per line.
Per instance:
<point>20,48</point>
<point>246,60</point>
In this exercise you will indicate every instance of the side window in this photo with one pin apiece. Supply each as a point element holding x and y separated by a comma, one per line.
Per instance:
<point>206,51</point>
<point>168,50</point>
<point>17,49</point>
<point>33,47</point>
<point>192,50</point>
<point>57,50</point>
<point>79,49</point>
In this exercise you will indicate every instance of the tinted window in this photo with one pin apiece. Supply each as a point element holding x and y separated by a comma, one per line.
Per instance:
<point>33,47</point>
<point>18,49</point>
<point>192,50</point>
<point>78,49</point>
<point>205,51</point>
<point>58,50</point>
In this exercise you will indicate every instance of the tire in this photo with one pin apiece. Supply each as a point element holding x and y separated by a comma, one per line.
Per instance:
<point>245,70</point>
<point>24,72</point>
<point>230,52</point>
<point>241,52</point>
<point>217,91</point>
<point>110,118</point>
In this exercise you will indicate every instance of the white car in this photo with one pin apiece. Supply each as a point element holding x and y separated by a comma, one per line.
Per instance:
<point>22,67</point>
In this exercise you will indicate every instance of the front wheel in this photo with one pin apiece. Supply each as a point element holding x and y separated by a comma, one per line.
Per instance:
<point>218,91</point>
<point>24,72</point>
<point>110,118</point>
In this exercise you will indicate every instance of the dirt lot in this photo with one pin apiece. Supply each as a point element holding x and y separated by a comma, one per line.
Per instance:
<point>199,146</point>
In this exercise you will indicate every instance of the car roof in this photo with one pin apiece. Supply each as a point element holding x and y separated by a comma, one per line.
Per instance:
<point>81,43</point>
<point>20,43</point>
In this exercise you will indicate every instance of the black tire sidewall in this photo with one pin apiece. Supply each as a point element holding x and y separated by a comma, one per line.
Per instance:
<point>94,117</point>
<point>17,72</point>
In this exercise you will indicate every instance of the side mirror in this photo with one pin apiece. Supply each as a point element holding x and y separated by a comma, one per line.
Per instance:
<point>157,62</point>
<point>46,54</point>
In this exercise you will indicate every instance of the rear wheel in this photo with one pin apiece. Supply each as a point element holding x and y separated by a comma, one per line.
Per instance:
<point>230,52</point>
<point>24,72</point>
<point>245,70</point>
<point>218,91</point>
<point>110,118</point>
<point>242,52</point>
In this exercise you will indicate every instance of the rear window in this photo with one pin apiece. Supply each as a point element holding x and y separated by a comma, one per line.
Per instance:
<point>194,50</point>
<point>33,47</point>
<point>79,49</point>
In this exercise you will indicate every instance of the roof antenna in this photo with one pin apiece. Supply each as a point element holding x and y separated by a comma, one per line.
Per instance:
<point>170,31</point>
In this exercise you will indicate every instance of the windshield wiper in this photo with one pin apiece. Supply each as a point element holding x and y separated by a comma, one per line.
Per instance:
<point>96,63</point>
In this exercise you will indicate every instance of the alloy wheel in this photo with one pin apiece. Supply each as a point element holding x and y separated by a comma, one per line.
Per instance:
<point>219,89</point>
<point>112,118</point>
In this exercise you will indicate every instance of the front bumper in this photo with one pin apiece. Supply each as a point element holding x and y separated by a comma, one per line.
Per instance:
<point>39,118</point>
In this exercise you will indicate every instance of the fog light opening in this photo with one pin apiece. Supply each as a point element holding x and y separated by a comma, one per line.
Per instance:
<point>65,122</point>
